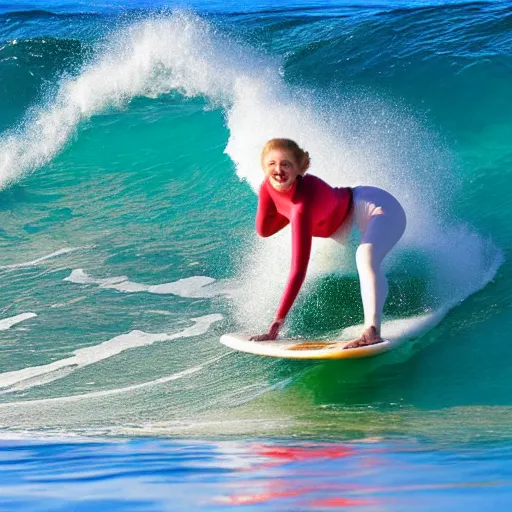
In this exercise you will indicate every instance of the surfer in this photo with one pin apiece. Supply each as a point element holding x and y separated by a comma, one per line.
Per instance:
<point>314,208</point>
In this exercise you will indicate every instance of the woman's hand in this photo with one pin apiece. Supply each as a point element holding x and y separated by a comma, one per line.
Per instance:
<point>272,333</point>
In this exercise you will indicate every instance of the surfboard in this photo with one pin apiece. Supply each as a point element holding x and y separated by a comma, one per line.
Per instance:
<point>304,349</point>
<point>395,332</point>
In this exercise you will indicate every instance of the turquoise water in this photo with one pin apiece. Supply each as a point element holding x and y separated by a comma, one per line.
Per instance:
<point>129,151</point>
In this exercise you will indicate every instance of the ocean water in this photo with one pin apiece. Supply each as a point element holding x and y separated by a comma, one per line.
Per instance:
<point>129,159</point>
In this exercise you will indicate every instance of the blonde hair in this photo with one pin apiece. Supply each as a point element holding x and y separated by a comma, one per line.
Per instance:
<point>301,157</point>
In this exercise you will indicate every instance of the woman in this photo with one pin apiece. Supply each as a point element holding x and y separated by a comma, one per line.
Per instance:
<point>314,208</point>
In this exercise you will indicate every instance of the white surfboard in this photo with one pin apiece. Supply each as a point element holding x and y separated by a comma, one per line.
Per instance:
<point>303,349</point>
<point>395,332</point>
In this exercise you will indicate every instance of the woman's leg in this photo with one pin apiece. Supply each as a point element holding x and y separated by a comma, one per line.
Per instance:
<point>384,226</point>
<point>381,235</point>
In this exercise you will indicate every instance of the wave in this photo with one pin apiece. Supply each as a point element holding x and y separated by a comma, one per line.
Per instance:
<point>34,14</point>
<point>55,254</point>
<point>147,59</point>
<point>117,391</point>
<point>355,138</point>
<point>38,375</point>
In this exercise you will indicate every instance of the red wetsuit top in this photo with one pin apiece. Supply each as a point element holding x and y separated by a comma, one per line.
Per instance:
<point>313,208</point>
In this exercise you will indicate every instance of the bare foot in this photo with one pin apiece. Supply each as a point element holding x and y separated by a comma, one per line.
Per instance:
<point>369,337</point>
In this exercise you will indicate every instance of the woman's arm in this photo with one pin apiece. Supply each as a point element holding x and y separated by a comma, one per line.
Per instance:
<point>268,220</point>
<point>301,250</point>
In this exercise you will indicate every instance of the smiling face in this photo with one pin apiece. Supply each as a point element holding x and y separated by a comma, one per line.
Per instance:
<point>281,169</point>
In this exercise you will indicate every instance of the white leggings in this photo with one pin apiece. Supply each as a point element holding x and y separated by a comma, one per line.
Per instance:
<point>381,220</point>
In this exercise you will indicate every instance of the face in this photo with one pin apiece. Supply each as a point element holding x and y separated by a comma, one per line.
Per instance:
<point>281,169</point>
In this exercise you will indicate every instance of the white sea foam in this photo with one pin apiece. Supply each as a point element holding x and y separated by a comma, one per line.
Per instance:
<point>7,323</point>
<point>55,254</point>
<point>190,287</point>
<point>37,375</point>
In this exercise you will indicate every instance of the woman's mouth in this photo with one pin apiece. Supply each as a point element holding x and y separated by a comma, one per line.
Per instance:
<point>280,178</point>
